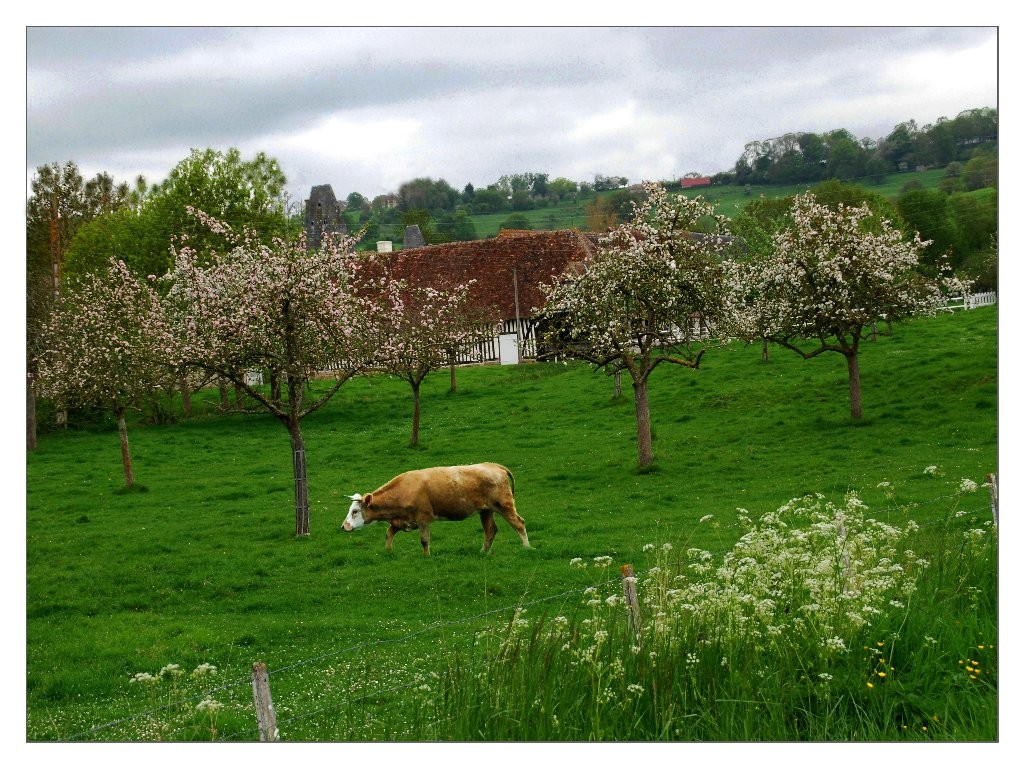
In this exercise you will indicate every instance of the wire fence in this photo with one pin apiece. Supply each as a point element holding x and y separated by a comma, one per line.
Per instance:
<point>469,640</point>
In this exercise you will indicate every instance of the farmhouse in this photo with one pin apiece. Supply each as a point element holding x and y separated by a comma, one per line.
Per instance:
<point>508,269</point>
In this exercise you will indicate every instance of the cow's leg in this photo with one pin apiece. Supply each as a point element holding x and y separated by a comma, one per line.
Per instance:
<point>508,511</point>
<point>392,530</point>
<point>490,528</point>
<point>425,538</point>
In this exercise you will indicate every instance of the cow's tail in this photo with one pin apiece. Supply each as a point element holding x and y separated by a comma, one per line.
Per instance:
<point>511,480</point>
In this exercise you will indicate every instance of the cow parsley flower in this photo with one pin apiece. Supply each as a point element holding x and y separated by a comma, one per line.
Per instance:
<point>968,486</point>
<point>173,670</point>
<point>209,705</point>
<point>204,669</point>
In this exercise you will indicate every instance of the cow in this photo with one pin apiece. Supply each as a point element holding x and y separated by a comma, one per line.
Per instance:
<point>414,499</point>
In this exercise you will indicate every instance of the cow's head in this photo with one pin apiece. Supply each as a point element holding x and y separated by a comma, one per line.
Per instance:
<point>355,518</point>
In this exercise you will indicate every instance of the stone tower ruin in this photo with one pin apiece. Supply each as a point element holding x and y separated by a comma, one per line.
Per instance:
<point>324,215</point>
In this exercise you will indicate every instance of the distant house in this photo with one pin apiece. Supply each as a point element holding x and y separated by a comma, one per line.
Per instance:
<point>695,181</point>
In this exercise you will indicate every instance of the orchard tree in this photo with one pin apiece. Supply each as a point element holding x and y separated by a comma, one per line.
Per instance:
<point>244,192</point>
<point>655,292</point>
<point>61,203</point>
<point>422,329</point>
<point>832,278</point>
<point>105,345</point>
<point>277,308</point>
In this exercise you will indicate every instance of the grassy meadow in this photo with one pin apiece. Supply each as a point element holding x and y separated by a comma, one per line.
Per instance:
<point>131,596</point>
<point>729,200</point>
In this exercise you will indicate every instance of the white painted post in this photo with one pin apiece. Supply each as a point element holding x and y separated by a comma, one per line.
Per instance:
<point>993,492</point>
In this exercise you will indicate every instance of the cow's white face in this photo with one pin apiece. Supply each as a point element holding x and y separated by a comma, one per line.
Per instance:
<point>355,517</point>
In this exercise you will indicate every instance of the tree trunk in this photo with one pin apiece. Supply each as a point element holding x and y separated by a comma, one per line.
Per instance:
<point>415,439</point>
<point>239,397</point>
<point>30,414</point>
<point>222,385</point>
<point>301,485</point>
<point>451,378</point>
<point>186,396</point>
<point>275,386</point>
<point>643,423</point>
<point>853,366</point>
<point>764,350</point>
<point>126,458</point>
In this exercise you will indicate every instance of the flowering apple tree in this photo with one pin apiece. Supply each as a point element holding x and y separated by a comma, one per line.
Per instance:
<point>106,345</point>
<point>831,277</point>
<point>278,308</point>
<point>657,291</point>
<point>422,329</point>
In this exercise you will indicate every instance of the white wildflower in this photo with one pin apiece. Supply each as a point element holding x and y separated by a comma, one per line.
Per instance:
<point>209,705</point>
<point>968,486</point>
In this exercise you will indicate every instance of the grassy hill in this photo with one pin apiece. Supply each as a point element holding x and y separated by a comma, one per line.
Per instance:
<point>201,567</point>
<point>729,199</point>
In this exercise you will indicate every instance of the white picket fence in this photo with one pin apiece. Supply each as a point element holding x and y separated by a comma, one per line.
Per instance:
<point>973,301</point>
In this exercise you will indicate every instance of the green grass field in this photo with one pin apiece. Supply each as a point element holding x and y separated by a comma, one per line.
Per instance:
<point>729,200</point>
<point>201,565</point>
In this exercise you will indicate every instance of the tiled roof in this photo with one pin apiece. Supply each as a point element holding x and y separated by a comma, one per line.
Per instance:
<point>515,257</point>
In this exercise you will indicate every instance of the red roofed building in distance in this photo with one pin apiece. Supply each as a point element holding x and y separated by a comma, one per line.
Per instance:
<point>695,181</point>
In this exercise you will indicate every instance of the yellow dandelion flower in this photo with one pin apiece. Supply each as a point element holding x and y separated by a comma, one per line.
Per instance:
<point>879,644</point>
<point>871,685</point>
<point>981,647</point>
<point>881,674</point>
<point>961,661</point>
<point>935,718</point>
<point>924,727</point>
<point>974,677</point>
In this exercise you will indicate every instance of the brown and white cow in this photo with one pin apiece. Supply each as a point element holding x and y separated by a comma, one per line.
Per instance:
<point>416,498</point>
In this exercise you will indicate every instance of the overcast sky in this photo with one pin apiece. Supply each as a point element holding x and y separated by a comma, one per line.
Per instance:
<point>365,109</point>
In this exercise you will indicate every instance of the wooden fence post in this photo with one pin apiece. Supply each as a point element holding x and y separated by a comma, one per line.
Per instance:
<point>632,604</point>
<point>265,715</point>
<point>993,492</point>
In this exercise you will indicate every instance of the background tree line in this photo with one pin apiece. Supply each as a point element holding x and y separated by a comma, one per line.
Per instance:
<point>969,139</point>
